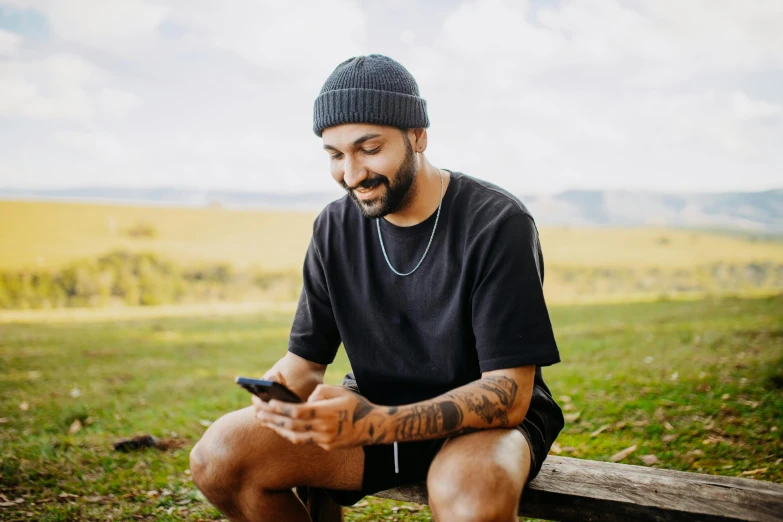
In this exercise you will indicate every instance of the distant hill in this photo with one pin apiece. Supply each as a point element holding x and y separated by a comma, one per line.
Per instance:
<point>178,196</point>
<point>747,211</point>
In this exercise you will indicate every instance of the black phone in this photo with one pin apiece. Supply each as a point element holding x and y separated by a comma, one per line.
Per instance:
<point>268,390</point>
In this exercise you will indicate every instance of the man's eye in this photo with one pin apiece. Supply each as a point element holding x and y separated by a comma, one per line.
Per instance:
<point>373,151</point>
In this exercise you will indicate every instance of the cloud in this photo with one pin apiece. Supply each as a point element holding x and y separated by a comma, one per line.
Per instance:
<point>278,36</point>
<point>746,108</point>
<point>603,35</point>
<point>116,102</point>
<point>722,34</point>
<point>117,26</point>
<point>101,143</point>
<point>59,86</point>
<point>9,43</point>
<point>605,93</point>
<point>537,97</point>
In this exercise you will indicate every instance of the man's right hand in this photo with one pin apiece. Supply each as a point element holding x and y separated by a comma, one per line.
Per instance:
<point>271,375</point>
<point>304,377</point>
<point>274,375</point>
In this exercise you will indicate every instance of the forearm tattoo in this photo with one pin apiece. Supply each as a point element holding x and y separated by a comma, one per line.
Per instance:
<point>482,404</point>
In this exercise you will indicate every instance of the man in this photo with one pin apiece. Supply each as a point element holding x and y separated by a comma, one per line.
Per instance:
<point>432,281</point>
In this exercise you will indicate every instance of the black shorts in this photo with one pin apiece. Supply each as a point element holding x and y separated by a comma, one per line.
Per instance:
<point>414,458</point>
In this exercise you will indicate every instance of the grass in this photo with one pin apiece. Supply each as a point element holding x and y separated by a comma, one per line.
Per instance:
<point>582,264</point>
<point>53,233</point>
<point>698,384</point>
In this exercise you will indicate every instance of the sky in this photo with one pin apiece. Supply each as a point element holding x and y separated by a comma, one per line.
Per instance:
<point>535,96</point>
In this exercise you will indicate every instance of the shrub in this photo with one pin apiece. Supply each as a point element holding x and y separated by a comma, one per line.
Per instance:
<point>142,230</point>
<point>131,278</point>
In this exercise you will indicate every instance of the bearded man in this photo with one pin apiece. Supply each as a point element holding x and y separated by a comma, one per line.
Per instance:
<point>432,280</point>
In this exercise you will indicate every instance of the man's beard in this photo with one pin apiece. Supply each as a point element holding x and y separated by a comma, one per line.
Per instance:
<point>396,196</point>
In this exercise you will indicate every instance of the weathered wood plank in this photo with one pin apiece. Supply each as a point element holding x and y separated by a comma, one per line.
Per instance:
<point>578,489</point>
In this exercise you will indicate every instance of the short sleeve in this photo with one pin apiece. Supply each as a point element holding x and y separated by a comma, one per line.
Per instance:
<point>314,333</point>
<point>510,318</point>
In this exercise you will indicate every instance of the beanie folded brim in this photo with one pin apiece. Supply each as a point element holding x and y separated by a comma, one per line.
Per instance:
<point>369,106</point>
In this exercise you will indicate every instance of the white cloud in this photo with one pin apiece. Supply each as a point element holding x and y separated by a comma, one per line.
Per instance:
<point>722,33</point>
<point>59,86</point>
<point>746,108</point>
<point>589,93</point>
<point>119,26</point>
<point>101,143</point>
<point>601,34</point>
<point>9,43</point>
<point>283,36</point>
<point>603,94</point>
<point>116,102</point>
<point>47,88</point>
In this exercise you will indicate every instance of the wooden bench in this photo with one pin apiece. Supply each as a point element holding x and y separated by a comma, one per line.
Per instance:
<point>576,489</point>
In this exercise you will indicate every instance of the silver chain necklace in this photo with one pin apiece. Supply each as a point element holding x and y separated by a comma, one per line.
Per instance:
<point>383,248</point>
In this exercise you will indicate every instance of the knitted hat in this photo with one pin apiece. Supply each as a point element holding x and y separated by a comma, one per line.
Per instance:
<point>370,89</point>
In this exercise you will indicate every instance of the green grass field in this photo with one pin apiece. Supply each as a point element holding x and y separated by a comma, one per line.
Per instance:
<point>698,384</point>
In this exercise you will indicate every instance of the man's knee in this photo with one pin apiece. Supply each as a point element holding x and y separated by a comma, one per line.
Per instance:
<point>458,493</point>
<point>219,462</point>
<point>212,461</point>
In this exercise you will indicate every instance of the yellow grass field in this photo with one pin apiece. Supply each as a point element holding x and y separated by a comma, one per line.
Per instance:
<point>35,234</point>
<point>652,248</point>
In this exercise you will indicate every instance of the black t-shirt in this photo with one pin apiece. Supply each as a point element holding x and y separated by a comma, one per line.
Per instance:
<point>475,304</point>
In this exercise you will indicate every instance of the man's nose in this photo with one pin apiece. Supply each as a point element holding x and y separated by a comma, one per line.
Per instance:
<point>354,173</point>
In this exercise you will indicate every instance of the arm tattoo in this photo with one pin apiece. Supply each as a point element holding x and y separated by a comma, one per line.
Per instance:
<point>430,419</point>
<point>490,408</point>
<point>503,387</point>
<point>482,404</point>
<point>362,410</point>
<point>486,409</point>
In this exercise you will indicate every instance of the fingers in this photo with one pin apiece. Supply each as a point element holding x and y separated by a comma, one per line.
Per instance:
<point>271,375</point>
<point>294,425</point>
<point>258,404</point>
<point>323,392</point>
<point>321,420</point>
<point>291,410</point>
<point>306,437</point>
<point>299,423</point>
<point>299,431</point>
<point>274,375</point>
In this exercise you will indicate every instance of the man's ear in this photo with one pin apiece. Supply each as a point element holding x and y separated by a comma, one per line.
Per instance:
<point>420,140</point>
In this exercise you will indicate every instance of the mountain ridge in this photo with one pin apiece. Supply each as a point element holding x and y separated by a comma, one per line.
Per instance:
<point>759,211</point>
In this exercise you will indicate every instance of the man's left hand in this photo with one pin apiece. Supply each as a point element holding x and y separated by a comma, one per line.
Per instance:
<point>329,418</point>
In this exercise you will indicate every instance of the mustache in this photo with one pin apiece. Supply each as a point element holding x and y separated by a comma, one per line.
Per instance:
<point>368,183</point>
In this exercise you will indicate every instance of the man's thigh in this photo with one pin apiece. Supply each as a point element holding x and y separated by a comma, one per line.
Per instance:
<point>238,445</point>
<point>499,459</point>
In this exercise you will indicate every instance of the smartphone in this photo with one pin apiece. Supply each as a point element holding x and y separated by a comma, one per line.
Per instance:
<point>268,390</point>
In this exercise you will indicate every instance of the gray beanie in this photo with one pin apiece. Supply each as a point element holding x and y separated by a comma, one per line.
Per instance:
<point>370,89</point>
